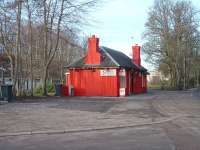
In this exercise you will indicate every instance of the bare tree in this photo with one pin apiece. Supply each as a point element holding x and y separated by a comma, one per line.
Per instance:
<point>10,38</point>
<point>172,36</point>
<point>45,35</point>
<point>18,63</point>
<point>30,7</point>
<point>58,15</point>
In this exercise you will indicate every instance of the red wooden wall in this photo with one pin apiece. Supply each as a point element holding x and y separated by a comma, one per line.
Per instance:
<point>134,83</point>
<point>139,86</point>
<point>90,83</point>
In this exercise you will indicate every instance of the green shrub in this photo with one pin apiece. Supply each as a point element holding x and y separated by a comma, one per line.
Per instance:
<point>50,88</point>
<point>154,86</point>
<point>38,91</point>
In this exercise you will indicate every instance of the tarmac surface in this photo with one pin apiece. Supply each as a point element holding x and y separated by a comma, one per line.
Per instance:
<point>158,120</point>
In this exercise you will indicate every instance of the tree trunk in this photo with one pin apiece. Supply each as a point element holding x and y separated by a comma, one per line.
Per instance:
<point>45,81</point>
<point>198,74</point>
<point>18,43</point>
<point>31,72</point>
<point>12,74</point>
<point>45,48</point>
<point>49,55</point>
<point>30,47</point>
<point>184,74</point>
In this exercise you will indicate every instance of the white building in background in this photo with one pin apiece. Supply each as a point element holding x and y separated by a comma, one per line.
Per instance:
<point>156,76</point>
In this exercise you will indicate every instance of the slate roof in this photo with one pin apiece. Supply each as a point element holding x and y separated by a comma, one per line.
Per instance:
<point>109,58</point>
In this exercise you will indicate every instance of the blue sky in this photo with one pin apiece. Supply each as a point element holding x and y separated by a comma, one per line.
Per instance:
<point>120,23</point>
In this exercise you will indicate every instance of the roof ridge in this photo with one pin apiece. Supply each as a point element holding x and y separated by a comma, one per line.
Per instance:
<point>102,48</point>
<point>114,50</point>
<point>117,51</point>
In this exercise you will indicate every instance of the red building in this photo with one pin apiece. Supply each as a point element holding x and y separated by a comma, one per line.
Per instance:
<point>107,72</point>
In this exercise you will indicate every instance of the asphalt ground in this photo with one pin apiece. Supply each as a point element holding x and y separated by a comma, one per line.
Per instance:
<point>157,120</point>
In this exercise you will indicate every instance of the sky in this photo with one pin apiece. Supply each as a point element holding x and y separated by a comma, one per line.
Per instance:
<point>120,24</point>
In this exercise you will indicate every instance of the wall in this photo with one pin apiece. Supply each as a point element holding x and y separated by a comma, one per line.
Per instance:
<point>128,83</point>
<point>90,83</point>
<point>137,83</point>
<point>134,83</point>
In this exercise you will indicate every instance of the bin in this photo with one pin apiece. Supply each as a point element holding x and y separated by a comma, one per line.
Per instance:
<point>65,90</point>
<point>6,92</point>
<point>58,89</point>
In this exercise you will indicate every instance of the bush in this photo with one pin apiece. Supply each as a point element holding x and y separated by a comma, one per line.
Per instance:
<point>51,88</point>
<point>38,91</point>
<point>154,86</point>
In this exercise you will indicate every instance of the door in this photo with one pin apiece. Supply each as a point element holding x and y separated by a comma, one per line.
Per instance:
<point>122,85</point>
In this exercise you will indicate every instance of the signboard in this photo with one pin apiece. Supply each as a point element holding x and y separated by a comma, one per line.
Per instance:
<point>122,92</point>
<point>108,72</point>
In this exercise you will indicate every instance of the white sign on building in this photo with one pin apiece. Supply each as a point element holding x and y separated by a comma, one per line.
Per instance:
<point>108,72</point>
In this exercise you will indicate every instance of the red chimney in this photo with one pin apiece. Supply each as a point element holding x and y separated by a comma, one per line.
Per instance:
<point>93,55</point>
<point>136,55</point>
